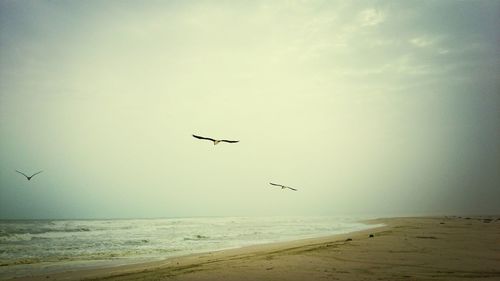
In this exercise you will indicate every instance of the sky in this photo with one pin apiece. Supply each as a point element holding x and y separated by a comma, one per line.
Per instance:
<point>366,107</point>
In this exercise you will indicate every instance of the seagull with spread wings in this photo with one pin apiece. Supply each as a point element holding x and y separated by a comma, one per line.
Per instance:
<point>29,177</point>
<point>283,186</point>
<point>214,140</point>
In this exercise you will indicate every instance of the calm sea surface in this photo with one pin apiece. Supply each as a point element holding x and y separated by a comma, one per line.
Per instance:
<point>45,246</point>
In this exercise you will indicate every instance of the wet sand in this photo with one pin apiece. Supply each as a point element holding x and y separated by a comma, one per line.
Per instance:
<point>438,248</point>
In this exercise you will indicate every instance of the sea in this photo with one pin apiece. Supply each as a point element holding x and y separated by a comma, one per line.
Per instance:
<point>36,247</point>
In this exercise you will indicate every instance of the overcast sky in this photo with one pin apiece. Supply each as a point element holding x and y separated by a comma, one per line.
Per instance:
<point>366,107</point>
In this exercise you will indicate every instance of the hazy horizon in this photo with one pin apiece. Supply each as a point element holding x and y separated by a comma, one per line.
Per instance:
<point>369,108</point>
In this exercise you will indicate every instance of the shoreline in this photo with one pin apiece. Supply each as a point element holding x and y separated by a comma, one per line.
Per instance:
<point>93,271</point>
<point>422,248</point>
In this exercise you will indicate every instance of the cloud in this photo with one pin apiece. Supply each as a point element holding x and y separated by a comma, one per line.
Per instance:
<point>443,51</point>
<point>421,42</point>
<point>371,17</point>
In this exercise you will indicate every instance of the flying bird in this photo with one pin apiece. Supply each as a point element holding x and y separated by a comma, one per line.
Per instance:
<point>283,186</point>
<point>29,177</point>
<point>214,140</point>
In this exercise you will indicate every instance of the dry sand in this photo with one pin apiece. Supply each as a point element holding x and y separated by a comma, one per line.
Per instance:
<point>441,248</point>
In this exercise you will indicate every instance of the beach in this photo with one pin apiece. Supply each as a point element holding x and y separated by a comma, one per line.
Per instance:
<point>423,248</point>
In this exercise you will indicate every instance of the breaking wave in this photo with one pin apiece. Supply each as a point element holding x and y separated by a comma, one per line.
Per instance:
<point>68,243</point>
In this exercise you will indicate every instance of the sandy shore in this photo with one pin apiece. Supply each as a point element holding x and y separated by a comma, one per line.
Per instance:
<point>441,248</point>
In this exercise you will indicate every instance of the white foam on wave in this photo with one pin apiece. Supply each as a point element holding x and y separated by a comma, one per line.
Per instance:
<point>66,244</point>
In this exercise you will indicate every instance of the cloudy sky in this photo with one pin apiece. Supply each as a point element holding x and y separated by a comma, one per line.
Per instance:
<point>367,107</point>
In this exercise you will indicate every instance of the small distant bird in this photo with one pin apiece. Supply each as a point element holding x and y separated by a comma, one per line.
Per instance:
<point>283,186</point>
<point>29,177</point>
<point>214,140</point>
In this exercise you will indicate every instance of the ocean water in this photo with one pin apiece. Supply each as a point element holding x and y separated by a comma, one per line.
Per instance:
<point>32,247</point>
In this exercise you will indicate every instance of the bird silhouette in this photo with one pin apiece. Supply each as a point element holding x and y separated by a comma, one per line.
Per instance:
<point>283,186</point>
<point>214,140</point>
<point>29,177</point>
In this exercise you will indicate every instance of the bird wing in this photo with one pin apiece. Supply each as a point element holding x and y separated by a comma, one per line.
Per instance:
<point>275,184</point>
<point>22,173</point>
<point>203,138</point>
<point>229,141</point>
<point>291,188</point>
<point>36,174</point>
